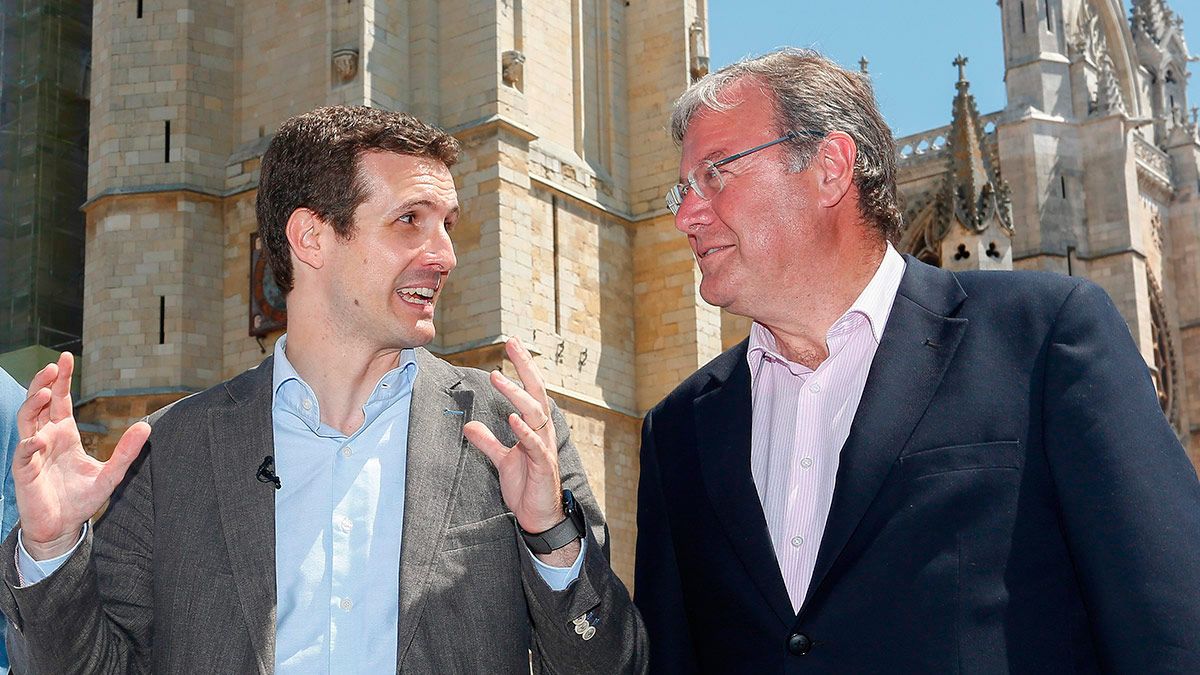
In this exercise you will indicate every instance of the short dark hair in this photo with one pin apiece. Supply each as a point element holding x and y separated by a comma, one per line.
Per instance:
<point>813,93</point>
<point>313,163</point>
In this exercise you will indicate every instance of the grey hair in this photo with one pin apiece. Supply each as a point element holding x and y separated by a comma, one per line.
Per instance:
<point>812,93</point>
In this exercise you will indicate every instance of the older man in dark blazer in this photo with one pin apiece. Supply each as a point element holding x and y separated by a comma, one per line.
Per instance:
<point>902,469</point>
<point>325,512</point>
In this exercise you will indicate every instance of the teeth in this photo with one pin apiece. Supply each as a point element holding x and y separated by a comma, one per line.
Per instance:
<point>423,292</point>
<point>715,248</point>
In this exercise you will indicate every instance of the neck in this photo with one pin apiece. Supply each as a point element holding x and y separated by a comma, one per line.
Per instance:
<point>801,325</point>
<point>341,370</point>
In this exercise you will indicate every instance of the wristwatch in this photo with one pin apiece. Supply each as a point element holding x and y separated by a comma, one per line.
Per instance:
<point>570,529</point>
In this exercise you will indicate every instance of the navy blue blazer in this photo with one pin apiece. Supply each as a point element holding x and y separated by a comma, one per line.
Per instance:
<point>1010,498</point>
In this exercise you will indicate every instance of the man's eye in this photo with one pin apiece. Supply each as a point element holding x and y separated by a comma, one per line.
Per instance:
<point>407,218</point>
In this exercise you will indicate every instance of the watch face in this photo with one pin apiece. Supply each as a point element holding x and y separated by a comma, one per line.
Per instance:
<point>268,306</point>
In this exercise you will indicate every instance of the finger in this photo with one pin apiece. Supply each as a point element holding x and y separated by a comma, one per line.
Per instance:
<point>529,442</point>
<point>27,448</point>
<point>43,378</point>
<point>60,399</point>
<point>483,438</point>
<point>530,409</point>
<point>126,450</point>
<point>31,411</point>
<point>526,404</point>
<point>527,370</point>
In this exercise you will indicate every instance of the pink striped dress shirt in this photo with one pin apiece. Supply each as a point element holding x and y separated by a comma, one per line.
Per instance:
<point>802,418</point>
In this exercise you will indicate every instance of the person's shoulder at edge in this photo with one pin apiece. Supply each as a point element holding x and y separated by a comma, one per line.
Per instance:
<point>218,394</point>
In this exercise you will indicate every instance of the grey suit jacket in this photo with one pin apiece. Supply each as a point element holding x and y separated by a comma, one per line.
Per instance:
<point>180,574</point>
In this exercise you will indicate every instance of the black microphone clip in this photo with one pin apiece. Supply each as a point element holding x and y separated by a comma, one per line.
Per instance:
<point>266,472</point>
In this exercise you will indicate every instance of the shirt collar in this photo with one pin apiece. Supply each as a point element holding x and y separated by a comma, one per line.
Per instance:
<point>291,393</point>
<point>874,303</point>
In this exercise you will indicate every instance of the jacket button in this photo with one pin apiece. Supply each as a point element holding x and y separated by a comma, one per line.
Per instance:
<point>799,644</point>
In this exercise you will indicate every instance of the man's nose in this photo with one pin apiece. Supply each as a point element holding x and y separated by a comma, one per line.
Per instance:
<point>441,251</point>
<point>693,213</point>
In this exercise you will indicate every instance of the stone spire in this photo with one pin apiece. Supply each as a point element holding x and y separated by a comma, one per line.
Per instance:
<point>1150,18</point>
<point>862,65</point>
<point>974,213</point>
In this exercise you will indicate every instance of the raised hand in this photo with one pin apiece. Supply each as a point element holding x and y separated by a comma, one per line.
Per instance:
<point>529,479</point>
<point>58,485</point>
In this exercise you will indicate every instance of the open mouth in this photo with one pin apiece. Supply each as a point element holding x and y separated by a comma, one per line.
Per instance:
<point>707,252</point>
<point>418,295</point>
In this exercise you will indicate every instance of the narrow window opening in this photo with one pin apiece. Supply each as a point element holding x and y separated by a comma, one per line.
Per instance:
<point>139,9</point>
<point>1049,26</point>
<point>1062,181</point>
<point>557,304</point>
<point>162,319</point>
<point>167,141</point>
<point>1022,16</point>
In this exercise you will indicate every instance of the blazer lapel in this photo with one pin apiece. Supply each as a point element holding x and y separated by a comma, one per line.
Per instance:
<point>242,435</point>
<point>918,344</point>
<point>723,419</point>
<point>438,411</point>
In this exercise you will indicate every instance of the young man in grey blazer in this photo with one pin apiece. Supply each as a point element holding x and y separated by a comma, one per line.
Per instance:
<point>325,511</point>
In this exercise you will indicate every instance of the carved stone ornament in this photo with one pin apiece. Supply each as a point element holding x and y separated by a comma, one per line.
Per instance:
<point>345,64</point>
<point>699,50</point>
<point>1088,39</point>
<point>1164,374</point>
<point>512,68</point>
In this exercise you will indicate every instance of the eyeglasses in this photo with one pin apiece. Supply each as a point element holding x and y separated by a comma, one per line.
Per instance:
<point>706,178</point>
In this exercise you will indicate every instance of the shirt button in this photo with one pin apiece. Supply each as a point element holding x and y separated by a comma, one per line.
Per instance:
<point>797,542</point>
<point>806,462</point>
<point>306,404</point>
<point>346,451</point>
<point>815,388</point>
<point>346,604</point>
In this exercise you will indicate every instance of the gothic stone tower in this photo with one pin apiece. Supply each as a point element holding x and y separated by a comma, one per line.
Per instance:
<point>564,240</point>
<point>1102,163</point>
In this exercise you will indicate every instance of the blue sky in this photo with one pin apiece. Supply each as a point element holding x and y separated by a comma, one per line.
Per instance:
<point>910,45</point>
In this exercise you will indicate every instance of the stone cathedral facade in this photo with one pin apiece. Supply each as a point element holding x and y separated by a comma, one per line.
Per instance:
<point>1092,169</point>
<point>564,239</point>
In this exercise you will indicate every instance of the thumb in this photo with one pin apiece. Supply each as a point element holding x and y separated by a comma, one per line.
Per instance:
<point>127,450</point>
<point>483,438</point>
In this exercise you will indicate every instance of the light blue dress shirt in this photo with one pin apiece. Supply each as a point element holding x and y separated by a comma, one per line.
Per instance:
<point>339,516</point>
<point>11,398</point>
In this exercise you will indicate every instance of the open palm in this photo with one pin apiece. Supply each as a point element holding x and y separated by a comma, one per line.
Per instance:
<point>58,485</point>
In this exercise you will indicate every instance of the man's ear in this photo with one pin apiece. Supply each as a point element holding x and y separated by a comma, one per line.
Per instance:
<point>834,162</point>
<point>305,233</point>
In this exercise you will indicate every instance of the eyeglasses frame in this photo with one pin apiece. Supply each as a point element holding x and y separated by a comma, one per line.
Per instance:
<point>682,189</point>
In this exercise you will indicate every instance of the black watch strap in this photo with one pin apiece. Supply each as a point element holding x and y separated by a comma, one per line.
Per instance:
<point>570,529</point>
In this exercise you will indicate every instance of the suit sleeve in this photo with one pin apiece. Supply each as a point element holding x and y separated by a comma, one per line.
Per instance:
<point>94,613</point>
<point>658,585</point>
<point>618,644</point>
<point>1129,498</point>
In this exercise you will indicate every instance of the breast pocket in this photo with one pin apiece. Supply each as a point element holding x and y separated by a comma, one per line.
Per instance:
<point>952,458</point>
<point>497,527</point>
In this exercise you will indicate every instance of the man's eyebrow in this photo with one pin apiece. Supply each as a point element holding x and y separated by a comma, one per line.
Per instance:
<point>419,203</point>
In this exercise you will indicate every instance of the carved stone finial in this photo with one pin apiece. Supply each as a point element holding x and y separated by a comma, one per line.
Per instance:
<point>862,65</point>
<point>973,195</point>
<point>512,68</point>
<point>961,62</point>
<point>345,64</point>
<point>699,50</point>
<point>1109,98</point>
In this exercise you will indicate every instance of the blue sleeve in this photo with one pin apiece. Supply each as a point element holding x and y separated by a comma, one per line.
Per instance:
<point>11,397</point>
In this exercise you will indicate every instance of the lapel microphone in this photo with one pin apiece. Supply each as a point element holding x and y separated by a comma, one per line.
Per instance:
<point>266,472</point>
